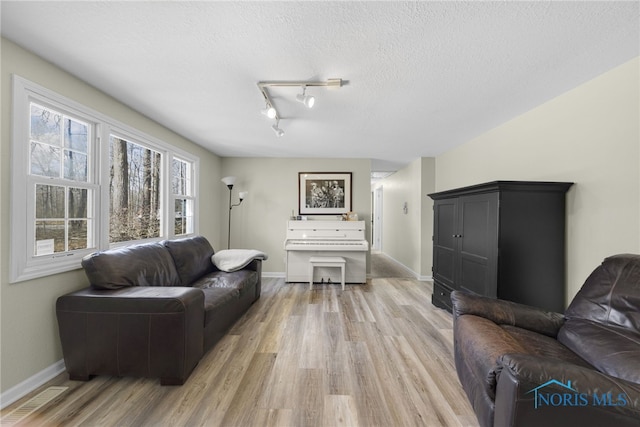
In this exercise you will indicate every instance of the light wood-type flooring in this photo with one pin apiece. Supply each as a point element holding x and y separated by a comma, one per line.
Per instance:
<point>377,354</point>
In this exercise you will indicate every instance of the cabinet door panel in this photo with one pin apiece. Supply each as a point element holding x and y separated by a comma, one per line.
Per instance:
<point>444,267</point>
<point>445,223</point>
<point>476,276</point>
<point>478,243</point>
<point>475,227</point>
<point>444,242</point>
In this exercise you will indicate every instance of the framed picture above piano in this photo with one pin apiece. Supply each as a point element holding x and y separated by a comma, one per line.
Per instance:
<point>324,193</point>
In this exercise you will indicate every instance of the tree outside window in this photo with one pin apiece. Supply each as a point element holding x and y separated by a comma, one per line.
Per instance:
<point>134,188</point>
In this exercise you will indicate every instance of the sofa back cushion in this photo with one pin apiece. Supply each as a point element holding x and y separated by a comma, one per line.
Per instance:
<point>603,321</point>
<point>611,294</point>
<point>192,258</point>
<point>148,264</point>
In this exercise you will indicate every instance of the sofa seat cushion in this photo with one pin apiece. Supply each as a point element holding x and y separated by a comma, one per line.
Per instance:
<point>480,342</point>
<point>222,288</point>
<point>543,346</point>
<point>611,349</point>
<point>139,265</point>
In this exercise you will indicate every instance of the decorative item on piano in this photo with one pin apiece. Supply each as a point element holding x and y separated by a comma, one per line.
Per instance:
<point>324,193</point>
<point>350,216</point>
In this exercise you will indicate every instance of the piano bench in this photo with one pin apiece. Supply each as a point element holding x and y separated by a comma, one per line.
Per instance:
<point>326,261</point>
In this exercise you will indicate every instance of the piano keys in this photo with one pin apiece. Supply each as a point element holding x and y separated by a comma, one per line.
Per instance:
<point>311,245</point>
<point>306,239</point>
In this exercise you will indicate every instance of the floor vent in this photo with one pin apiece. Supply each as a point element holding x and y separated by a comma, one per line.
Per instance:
<point>32,405</point>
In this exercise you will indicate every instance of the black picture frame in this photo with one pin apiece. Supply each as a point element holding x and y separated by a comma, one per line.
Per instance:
<point>324,193</point>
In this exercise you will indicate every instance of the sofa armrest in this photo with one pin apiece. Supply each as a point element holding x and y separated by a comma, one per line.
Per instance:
<point>137,331</point>
<point>504,312</point>
<point>256,265</point>
<point>535,391</point>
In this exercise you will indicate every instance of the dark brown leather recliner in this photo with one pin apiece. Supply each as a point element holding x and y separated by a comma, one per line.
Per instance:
<point>152,310</point>
<point>522,366</point>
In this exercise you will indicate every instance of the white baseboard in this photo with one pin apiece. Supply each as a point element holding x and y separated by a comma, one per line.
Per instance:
<point>279,274</point>
<point>416,275</point>
<point>273,274</point>
<point>31,383</point>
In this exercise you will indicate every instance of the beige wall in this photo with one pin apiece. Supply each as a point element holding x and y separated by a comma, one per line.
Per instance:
<point>260,222</point>
<point>589,136</point>
<point>28,325</point>
<point>406,237</point>
<point>428,186</point>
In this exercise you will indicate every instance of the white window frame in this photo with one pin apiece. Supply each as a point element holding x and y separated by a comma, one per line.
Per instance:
<point>24,265</point>
<point>191,192</point>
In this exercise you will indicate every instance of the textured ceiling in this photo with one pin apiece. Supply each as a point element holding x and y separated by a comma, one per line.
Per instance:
<point>422,77</point>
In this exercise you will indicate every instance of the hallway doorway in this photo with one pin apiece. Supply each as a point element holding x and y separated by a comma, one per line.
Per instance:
<point>383,266</point>
<point>376,219</point>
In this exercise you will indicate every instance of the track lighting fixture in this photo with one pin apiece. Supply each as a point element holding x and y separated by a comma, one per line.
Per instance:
<point>279,132</point>
<point>305,99</point>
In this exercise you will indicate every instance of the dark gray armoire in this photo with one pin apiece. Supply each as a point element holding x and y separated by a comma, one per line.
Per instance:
<point>501,239</point>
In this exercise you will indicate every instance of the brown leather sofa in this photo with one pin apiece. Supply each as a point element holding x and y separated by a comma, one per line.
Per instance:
<point>521,366</point>
<point>152,310</point>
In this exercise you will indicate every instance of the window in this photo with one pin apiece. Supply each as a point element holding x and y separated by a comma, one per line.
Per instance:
<point>83,182</point>
<point>59,153</point>
<point>183,200</point>
<point>134,191</point>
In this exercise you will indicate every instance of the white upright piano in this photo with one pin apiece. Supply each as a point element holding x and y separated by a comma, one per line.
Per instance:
<point>306,239</point>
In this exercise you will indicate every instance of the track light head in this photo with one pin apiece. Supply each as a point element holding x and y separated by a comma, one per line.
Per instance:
<point>279,132</point>
<point>269,112</point>
<point>307,100</point>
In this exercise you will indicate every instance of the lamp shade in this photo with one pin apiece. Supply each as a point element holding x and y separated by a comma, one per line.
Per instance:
<point>229,180</point>
<point>243,195</point>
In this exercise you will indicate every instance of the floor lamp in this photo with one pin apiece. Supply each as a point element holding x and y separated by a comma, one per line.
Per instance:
<point>229,181</point>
